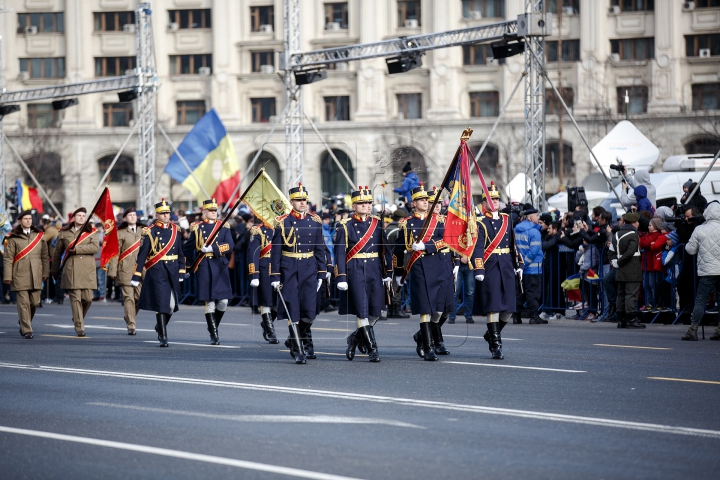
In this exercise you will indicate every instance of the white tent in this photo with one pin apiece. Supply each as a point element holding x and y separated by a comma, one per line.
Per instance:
<point>627,144</point>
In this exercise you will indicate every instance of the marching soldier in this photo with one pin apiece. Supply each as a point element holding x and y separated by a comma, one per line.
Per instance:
<point>264,295</point>
<point>298,266</point>
<point>212,275</point>
<point>122,267</point>
<point>78,270</point>
<point>26,266</point>
<point>495,262</point>
<point>362,260</point>
<point>430,271</point>
<point>161,256</point>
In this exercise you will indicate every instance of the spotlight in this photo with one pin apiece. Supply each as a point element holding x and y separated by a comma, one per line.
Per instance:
<point>62,104</point>
<point>8,109</point>
<point>127,96</point>
<point>504,50</point>
<point>403,64</point>
<point>304,77</point>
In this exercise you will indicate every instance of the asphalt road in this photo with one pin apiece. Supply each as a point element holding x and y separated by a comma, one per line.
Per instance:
<point>571,400</point>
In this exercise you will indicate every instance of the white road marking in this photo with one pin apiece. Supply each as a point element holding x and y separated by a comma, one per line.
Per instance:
<point>515,366</point>
<point>199,457</point>
<point>107,318</point>
<point>630,346</point>
<point>204,323</point>
<point>533,415</point>
<point>124,329</point>
<point>470,336</point>
<point>269,418</point>
<point>329,353</point>
<point>37,314</point>
<point>194,344</point>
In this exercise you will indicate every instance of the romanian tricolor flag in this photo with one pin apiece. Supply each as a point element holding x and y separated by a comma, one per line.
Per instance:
<point>460,223</point>
<point>210,156</point>
<point>27,198</point>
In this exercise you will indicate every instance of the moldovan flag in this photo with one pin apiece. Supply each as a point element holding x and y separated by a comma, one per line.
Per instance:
<point>27,198</point>
<point>106,213</point>
<point>265,199</point>
<point>210,156</point>
<point>460,223</point>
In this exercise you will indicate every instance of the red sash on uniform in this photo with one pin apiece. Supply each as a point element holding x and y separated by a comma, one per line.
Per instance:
<point>428,236</point>
<point>130,250</point>
<point>25,251</point>
<point>496,241</point>
<point>215,227</point>
<point>363,241</point>
<point>156,258</point>
<point>265,250</point>
<point>83,236</point>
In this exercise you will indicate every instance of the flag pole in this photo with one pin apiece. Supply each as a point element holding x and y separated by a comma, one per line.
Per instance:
<point>165,135</point>
<point>463,139</point>
<point>84,227</point>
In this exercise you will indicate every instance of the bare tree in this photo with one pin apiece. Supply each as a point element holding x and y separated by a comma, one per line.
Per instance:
<point>42,151</point>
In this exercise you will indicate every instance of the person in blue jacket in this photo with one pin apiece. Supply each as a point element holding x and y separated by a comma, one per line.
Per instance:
<point>410,182</point>
<point>529,244</point>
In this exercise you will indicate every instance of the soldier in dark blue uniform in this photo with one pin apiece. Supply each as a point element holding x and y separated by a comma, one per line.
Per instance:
<point>430,270</point>
<point>263,295</point>
<point>495,262</point>
<point>363,265</point>
<point>162,257</point>
<point>298,266</point>
<point>212,275</point>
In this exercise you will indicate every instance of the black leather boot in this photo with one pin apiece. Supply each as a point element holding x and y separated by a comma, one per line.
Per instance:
<point>429,352</point>
<point>158,326</point>
<point>212,328</point>
<point>516,318</point>
<point>295,344</point>
<point>438,342</point>
<point>352,343</point>
<point>308,341</point>
<point>419,343</point>
<point>268,329</point>
<point>495,343</point>
<point>369,339</point>
<point>634,322</point>
<point>164,318</point>
<point>622,320</point>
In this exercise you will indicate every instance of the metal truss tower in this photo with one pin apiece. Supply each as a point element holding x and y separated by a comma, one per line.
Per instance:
<point>146,94</point>
<point>294,141</point>
<point>535,110</point>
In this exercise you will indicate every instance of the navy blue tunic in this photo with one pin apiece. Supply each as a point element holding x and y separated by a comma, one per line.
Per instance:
<point>212,275</point>
<point>298,261</point>
<point>259,266</point>
<point>365,296</point>
<point>162,279</point>
<point>496,293</point>
<point>432,288</point>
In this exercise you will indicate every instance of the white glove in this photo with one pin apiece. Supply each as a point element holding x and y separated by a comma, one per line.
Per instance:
<point>418,247</point>
<point>387,281</point>
<point>181,279</point>
<point>255,282</point>
<point>327,276</point>
<point>614,263</point>
<point>319,285</point>
<point>456,269</point>
<point>206,249</point>
<point>275,285</point>
<point>479,278</point>
<point>135,283</point>
<point>399,281</point>
<point>342,286</point>
<point>519,273</point>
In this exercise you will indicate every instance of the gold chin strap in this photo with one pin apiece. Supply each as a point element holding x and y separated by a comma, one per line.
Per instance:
<point>493,317</point>
<point>424,318</point>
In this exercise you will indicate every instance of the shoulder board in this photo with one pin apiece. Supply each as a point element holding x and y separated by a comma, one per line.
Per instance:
<point>255,230</point>
<point>406,219</point>
<point>280,218</point>
<point>503,214</point>
<point>146,231</point>
<point>194,226</point>
<point>441,218</point>
<point>226,225</point>
<point>316,218</point>
<point>344,221</point>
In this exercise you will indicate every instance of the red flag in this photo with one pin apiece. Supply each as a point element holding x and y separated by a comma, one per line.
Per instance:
<point>104,211</point>
<point>461,224</point>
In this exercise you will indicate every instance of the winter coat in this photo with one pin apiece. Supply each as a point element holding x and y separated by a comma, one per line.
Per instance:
<point>411,181</point>
<point>28,272</point>
<point>79,269</point>
<point>656,250</point>
<point>529,244</point>
<point>705,242</point>
<point>587,259</point>
<point>644,205</point>
<point>625,241</point>
<point>641,177</point>
<point>648,257</point>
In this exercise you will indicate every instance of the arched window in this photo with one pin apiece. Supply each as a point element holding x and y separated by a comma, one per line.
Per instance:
<point>332,181</point>
<point>399,158</point>
<point>552,161</point>
<point>489,163</point>
<point>123,171</point>
<point>46,166</point>
<point>272,167</point>
<point>703,145</point>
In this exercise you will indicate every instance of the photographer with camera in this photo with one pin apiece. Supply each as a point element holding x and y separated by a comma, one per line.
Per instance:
<point>704,243</point>
<point>641,178</point>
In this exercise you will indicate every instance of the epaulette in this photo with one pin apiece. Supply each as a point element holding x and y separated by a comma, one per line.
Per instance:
<point>194,226</point>
<point>146,231</point>
<point>255,230</point>
<point>344,221</point>
<point>376,217</point>
<point>405,219</point>
<point>280,218</point>
<point>441,218</point>
<point>316,218</point>
<point>226,225</point>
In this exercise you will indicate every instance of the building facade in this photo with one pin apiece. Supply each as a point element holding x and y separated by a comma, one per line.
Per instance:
<point>224,54</point>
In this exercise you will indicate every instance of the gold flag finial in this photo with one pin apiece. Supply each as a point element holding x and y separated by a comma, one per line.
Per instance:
<point>466,134</point>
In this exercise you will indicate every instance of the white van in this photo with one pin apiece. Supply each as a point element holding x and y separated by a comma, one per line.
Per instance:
<point>677,170</point>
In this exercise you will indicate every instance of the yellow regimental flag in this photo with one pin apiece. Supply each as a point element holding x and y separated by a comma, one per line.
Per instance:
<point>266,200</point>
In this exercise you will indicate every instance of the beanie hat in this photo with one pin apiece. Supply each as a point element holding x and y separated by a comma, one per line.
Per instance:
<point>407,168</point>
<point>546,218</point>
<point>674,237</point>
<point>663,212</point>
<point>668,227</point>
<point>688,183</point>
<point>656,223</point>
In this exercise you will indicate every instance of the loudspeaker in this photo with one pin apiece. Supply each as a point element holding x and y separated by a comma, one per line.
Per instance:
<point>576,197</point>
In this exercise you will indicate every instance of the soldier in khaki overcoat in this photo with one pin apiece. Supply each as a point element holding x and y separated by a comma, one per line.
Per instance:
<point>78,273</point>
<point>122,267</point>
<point>26,267</point>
